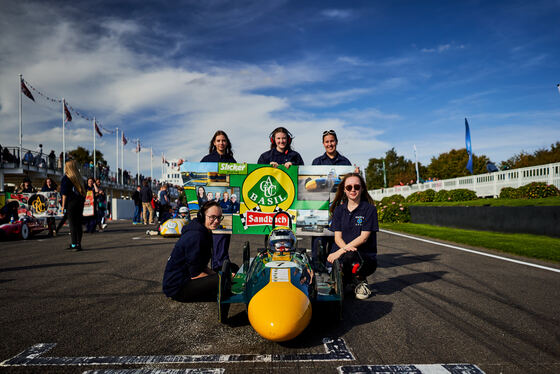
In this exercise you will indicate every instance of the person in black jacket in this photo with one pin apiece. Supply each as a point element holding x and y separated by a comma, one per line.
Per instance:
<point>280,150</point>
<point>187,276</point>
<point>73,195</point>
<point>137,206</point>
<point>146,197</point>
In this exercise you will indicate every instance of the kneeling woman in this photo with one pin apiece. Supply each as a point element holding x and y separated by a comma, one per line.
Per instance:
<point>354,222</point>
<point>187,276</point>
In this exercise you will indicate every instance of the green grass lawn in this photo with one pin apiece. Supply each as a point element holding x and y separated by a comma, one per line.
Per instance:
<point>547,201</point>
<point>528,245</point>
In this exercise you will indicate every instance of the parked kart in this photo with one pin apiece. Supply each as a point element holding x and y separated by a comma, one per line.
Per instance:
<point>279,286</point>
<point>23,228</point>
<point>172,227</point>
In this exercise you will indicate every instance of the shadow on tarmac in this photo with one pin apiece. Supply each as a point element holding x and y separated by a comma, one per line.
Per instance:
<point>31,267</point>
<point>389,260</point>
<point>397,284</point>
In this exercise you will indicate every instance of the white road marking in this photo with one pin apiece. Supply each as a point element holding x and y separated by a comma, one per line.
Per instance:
<point>155,371</point>
<point>335,350</point>
<point>412,369</point>
<point>473,251</point>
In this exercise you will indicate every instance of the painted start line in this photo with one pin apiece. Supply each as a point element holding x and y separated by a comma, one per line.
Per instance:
<point>335,350</point>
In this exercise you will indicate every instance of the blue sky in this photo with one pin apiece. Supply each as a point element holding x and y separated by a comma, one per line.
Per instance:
<point>383,74</point>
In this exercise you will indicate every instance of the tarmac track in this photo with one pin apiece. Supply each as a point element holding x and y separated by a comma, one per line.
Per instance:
<point>432,305</point>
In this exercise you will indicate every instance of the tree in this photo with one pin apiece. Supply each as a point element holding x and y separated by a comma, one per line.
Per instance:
<point>539,157</point>
<point>83,156</point>
<point>453,164</point>
<point>398,170</point>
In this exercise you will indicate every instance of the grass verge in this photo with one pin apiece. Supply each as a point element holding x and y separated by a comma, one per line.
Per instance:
<point>528,245</point>
<point>547,201</point>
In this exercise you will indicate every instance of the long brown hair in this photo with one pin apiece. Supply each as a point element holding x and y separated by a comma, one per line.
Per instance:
<point>284,131</point>
<point>340,196</point>
<point>72,172</point>
<point>212,147</point>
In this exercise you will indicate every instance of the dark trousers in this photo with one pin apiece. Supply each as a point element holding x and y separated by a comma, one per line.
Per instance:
<point>327,242</point>
<point>221,250</point>
<point>200,289</point>
<point>75,209</point>
<point>347,262</point>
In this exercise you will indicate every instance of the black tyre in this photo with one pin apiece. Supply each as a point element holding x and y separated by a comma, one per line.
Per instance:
<point>224,291</point>
<point>338,288</point>
<point>246,256</point>
<point>25,232</point>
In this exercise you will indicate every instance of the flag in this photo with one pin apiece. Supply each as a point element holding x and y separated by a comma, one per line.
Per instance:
<point>26,91</point>
<point>468,146</point>
<point>137,145</point>
<point>67,114</point>
<point>97,130</point>
<point>124,140</point>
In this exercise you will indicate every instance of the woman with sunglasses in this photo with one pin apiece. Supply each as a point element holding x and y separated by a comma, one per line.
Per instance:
<point>354,222</point>
<point>281,152</point>
<point>187,276</point>
<point>219,151</point>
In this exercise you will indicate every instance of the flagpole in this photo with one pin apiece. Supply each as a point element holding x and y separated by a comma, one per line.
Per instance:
<point>117,153</point>
<point>122,157</point>
<point>63,139</point>
<point>20,121</point>
<point>137,161</point>
<point>94,164</point>
<point>416,162</point>
<point>151,164</point>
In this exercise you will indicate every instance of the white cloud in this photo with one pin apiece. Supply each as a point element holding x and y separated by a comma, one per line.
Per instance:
<point>337,14</point>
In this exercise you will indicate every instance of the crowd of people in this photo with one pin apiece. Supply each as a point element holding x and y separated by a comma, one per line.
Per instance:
<point>190,272</point>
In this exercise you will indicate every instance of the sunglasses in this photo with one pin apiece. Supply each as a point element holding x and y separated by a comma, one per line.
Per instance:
<point>213,218</point>
<point>356,187</point>
<point>329,132</point>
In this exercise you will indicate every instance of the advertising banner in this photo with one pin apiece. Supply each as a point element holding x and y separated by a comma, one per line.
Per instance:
<point>40,204</point>
<point>251,194</point>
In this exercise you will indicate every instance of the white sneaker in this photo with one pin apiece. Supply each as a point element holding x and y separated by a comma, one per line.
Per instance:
<point>362,291</point>
<point>104,226</point>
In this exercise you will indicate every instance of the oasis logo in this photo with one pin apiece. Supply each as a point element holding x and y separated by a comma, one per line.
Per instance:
<point>268,188</point>
<point>232,168</point>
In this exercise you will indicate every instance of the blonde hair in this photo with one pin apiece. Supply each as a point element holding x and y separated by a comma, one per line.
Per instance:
<point>72,172</point>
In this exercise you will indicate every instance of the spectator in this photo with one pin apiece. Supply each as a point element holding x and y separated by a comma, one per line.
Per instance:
<point>73,194</point>
<point>9,212</point>
<point>49,186</point>
<point>8,157</point>
<point>52,160</point>
<point>101,209</point>
<point>26,186</point>
<point>92,221</point>
<point>146,196</point>
<point>226,204</point>
<point>164,202</point>
<point>137,206</point>
<point>28,158</point>
<point>59,163</point>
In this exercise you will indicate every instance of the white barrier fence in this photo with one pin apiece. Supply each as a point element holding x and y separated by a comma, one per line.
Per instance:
<point>484,185</point>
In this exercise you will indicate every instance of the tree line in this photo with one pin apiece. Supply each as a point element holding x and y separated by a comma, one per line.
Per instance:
<point>452,164</point>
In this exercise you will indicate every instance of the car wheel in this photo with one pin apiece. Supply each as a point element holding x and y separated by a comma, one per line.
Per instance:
<point>224,291</point>
<point>246,257</point>
<point>24,231</point>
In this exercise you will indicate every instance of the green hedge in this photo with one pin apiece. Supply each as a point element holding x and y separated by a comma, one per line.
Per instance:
<point>393,212</point>
<point>393,198</point>
<point>462,194</point>
<point>421,196</point>
<point>441,196</point>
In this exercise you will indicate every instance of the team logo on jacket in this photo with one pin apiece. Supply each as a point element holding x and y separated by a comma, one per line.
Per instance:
<point>269,189</point>
<point>359,220</point>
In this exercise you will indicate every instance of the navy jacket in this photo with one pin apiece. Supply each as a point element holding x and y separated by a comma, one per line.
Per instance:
<point>189,257</point>
<point>146,194</point>
<point>216,157</point>
<point>326,160</point>
<point>281,158</point>
<point>351,224</point>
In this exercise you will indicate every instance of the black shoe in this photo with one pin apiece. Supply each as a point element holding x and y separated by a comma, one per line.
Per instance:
<point>77,248</point>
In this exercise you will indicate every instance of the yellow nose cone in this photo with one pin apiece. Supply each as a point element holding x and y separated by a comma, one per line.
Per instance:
<point>311,185</point>
<point>279,311</point>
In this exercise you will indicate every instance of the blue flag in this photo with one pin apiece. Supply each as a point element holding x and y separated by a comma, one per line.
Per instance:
<point>468,145</point>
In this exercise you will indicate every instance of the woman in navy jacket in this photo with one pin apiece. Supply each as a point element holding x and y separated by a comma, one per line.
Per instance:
<point>354,222</point>
<point>187,276</point>
<point>220,151</point>
<point>280,152</point>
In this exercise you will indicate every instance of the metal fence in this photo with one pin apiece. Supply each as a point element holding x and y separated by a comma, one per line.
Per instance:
<point>484,185</point>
